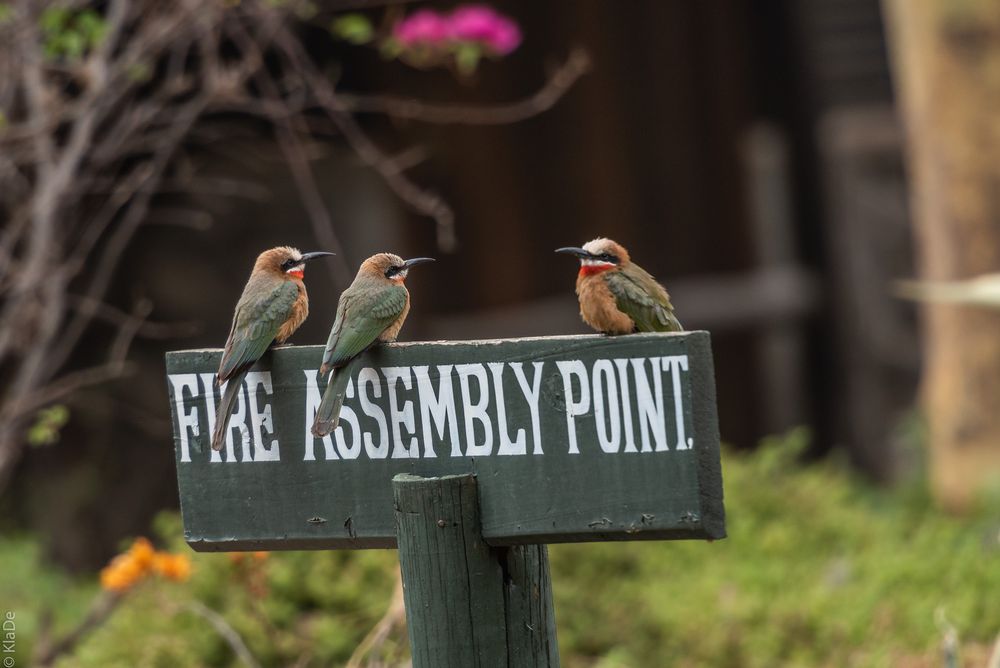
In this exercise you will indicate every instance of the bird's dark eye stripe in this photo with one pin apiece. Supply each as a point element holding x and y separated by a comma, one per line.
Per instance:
<point>392,271</point>
<point>288,264</point>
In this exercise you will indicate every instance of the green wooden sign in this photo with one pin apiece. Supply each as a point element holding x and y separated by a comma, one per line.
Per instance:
<point>576,438</point>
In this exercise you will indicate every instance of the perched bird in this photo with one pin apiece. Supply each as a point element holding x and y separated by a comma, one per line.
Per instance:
<point>982,290</point>
<point>371,310</point>
<point>618,296</point>
<point>273,305</point>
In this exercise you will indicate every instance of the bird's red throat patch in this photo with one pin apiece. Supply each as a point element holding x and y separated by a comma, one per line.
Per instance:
<point>298,273</point>
<point>592,269</point>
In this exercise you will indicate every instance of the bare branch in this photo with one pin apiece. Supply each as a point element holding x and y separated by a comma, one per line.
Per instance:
<point>576,65</point>
<point>65,386</point>
<point>394,617</point>
<point>227,632</point>
<point>194,219</point>
<point>145,329</point>
<point>291,147</point>
<point>298,163</point>
<point>102,607</point>
<point>116,245</point>
<point>421,200</point>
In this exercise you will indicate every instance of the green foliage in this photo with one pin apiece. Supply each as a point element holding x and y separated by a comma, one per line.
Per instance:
<point>354,28</point>
<point>48,424</point>
<point>69,33</point>
<point>27,587</point>
<point>467,58</point>
<point>819,569</point>
<point>6,13</point>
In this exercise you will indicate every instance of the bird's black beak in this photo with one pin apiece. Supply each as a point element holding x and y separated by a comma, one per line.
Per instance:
<point>417,260</point>
<point>573,250</point>
<point>315,254</point>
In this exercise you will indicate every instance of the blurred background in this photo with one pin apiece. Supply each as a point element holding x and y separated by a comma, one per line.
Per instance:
<point>778,166</point>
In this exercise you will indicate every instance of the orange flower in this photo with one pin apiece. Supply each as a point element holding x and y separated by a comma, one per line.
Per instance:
<point>261,556</point>
<point>122,573</point>
<point>128,568</point>
<point>175,567</point>
<point>142,552</point>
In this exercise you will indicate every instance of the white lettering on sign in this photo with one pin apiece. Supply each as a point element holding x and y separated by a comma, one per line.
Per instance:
<point>674,365</point>
<point>401,418</point>
<point>437,409</point>
<point>350,418</point>
<point>650,403</point>
<point>187,420</point>
<point>369,377</point>
<point>532,393</point>
<point>622,366</point>
<point>506,446</point>
<point>609,437</point>
<point>569,370</point>
<point>260,416</point>
<point>476,412</point>
<point>617,407</point>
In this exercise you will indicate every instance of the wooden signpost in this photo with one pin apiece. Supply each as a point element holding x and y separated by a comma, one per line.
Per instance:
<point>468,455</point>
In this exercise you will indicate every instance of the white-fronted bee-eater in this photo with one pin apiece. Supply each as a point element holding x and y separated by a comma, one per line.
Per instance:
<point>372,310</point>
<point>273,305</point>
<point>618,296</point>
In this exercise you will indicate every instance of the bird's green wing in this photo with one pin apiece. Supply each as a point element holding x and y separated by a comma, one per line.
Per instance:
<point>361,317</point>
<point>259,315</point>
<point>640,297</point>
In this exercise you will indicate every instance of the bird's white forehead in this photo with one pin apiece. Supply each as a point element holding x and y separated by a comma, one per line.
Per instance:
<point>595,246</point>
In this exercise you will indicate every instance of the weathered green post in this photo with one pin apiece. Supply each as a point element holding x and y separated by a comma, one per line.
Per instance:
<point>467,603</point>
<point>503,446</point>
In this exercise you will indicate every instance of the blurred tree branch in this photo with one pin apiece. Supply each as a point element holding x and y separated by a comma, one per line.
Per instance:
<point>393,619</point>
<point>48,650</point>
<point>227,632</point>
<point>558,83</point>
<point>98,101</point>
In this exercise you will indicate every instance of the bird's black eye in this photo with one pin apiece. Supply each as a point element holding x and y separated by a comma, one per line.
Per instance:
<point>288,264</point>
<point>608,257</point>
<point>392,271</point>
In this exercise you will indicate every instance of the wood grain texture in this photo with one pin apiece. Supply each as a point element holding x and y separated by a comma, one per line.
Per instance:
<point>468,604</point>
<point>530,615</point>
<point>278,488</point>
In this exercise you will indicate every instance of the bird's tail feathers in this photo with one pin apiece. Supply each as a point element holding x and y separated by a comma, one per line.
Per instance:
<point>225,409</point>
<point>328,413</point>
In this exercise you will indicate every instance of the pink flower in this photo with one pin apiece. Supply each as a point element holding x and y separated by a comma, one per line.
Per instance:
<point>483,24</point>
<point>424,27</point>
